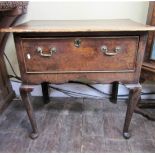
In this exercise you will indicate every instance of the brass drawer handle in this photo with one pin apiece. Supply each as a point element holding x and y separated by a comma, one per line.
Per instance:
<point>105,50</point>
<point>39,50</point>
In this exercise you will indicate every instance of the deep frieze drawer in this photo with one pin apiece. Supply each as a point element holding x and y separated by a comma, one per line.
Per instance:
<point>80,54</point>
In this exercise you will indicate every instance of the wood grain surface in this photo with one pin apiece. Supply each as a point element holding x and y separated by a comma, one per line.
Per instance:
<point>80,26</point>
<point>88,62</point>
<point>89,57</point>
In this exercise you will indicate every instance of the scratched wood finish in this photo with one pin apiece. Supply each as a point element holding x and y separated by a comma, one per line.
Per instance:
<point>87,57</point>
<point>114,25</point>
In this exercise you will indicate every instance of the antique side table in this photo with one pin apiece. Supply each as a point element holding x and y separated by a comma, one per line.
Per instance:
<point>97,51</point>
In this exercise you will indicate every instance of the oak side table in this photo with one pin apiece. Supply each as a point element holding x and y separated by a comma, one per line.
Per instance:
<point>97,51</point>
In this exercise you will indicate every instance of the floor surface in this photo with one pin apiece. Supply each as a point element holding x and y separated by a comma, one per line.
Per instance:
<point>75,125</point>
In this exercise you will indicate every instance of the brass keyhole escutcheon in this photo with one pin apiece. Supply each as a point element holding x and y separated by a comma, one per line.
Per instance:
<point>77,42</point>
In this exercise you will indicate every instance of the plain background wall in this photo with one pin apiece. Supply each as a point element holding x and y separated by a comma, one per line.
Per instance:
<point>67,10</point>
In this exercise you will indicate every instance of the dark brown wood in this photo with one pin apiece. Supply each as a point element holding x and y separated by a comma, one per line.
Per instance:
<point>150,21</point>
<point>134,97</point>
<point>148,64</point>
<point>25,95</point>
<point>74,68</point>
<point>114,93</point>
<point>9,13</point>
<point>73,59</point>
<point>102,54</point>
<point>45,92</point>
<point>147,104</point>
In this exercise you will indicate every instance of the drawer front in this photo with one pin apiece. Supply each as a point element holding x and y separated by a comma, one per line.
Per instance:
<point>83,54</point>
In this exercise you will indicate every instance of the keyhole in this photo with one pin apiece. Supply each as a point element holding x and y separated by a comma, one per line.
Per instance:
<point>77,42</point>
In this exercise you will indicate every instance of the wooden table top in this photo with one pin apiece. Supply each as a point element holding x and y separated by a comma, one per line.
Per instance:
<point>79,26</point>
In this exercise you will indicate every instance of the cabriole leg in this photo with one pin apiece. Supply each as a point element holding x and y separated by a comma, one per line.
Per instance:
<point>134,96</point>
<point>25,95</point>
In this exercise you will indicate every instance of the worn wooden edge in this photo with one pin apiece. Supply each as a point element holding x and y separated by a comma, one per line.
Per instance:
<point>12,30</point>
<point>79,26</point>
